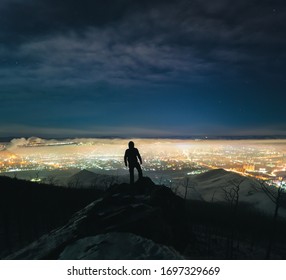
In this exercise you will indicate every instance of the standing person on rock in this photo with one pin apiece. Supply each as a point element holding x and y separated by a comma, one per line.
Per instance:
<point>131,157</point>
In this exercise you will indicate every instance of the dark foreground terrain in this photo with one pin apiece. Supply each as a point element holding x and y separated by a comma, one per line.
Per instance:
<point>144,221</point>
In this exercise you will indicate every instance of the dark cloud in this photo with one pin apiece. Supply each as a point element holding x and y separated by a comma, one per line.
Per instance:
<point>133,40</point>
<point>75,52</point>
<point>23,19</point>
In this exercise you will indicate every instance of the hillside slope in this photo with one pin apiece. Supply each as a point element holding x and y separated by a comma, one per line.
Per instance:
<point>149,219</point>
<point>213,185</point>
<point>145,217</point>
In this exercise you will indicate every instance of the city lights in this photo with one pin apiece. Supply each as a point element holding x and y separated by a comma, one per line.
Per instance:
<point>263,159</point>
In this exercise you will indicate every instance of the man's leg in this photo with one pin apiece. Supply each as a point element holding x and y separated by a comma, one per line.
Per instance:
<point>131,171</point>
<point>138,167</point>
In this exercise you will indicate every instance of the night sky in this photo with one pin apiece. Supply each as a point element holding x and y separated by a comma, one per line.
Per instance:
<point>146,68</point>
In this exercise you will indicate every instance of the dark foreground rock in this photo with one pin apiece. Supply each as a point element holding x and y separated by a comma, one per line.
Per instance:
<point>146,218</point>
<point>117,246</point>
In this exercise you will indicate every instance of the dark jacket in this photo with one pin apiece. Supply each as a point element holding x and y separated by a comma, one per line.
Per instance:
<point>131,156</point>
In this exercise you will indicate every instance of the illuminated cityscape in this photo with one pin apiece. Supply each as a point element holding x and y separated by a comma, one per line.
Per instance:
<point>264,159</point>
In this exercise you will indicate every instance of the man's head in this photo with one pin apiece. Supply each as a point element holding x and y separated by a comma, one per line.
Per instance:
<point>131,145</point>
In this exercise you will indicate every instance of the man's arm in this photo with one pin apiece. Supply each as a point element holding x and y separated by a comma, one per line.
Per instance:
<point>138,155</point>
<point>125,158</point>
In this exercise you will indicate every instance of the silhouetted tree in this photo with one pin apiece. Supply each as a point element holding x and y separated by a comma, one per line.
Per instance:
<point>75,183</point>
<point>174,187</point>
<point>274,193</point>
<point>52,180</point>
<point>187,185</point>
<point>95,182</point>
<point>37,174</point>
<point>231,195</point>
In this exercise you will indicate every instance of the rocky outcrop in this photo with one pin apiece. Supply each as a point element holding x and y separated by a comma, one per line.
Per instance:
<point>146,217</point>
<point>117,246</point>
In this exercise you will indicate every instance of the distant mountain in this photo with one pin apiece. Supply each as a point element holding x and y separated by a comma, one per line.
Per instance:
<point>212,186</point>
<point>89,179</point>
<point>84,176</point>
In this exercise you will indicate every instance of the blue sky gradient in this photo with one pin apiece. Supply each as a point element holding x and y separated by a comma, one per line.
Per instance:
<point>142,68</point>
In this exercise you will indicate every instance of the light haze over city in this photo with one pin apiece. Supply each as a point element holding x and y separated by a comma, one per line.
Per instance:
<point>170,158</point>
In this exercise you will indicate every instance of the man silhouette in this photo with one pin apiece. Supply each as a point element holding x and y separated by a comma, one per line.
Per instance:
<point>131,156</point>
